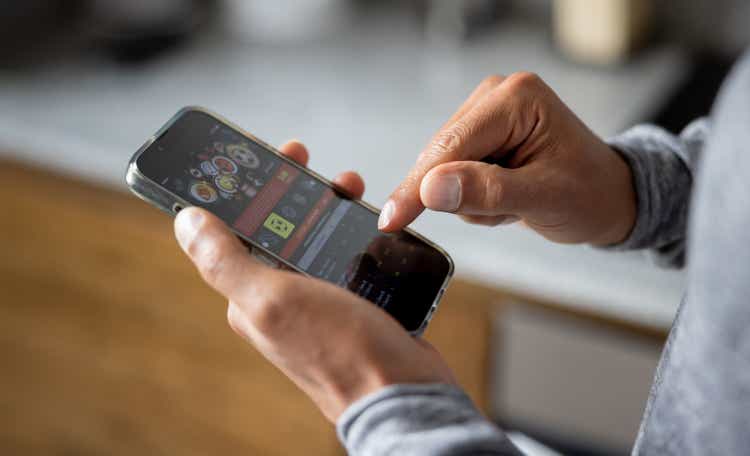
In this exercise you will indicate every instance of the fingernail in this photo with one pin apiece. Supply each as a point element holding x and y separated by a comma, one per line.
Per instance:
<point>386,214</point>
<point>442,192</point>
<point>186,226</point>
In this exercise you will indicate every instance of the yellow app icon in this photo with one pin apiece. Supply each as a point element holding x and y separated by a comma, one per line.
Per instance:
<point>279,225</point>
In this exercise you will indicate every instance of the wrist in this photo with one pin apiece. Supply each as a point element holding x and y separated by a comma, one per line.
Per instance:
<point>623,203</point>
<point>341,391</point>
<point>338,393</point>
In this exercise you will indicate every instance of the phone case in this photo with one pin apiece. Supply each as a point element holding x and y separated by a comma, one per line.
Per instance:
<point>155,194</point>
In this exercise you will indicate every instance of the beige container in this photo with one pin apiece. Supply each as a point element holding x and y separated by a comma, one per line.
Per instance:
<point>601,32</point>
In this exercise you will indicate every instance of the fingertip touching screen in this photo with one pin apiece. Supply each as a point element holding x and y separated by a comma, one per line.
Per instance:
<point>280,207</point>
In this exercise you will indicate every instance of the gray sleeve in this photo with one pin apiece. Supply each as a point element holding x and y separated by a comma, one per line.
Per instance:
<point>663,165</point>
<point>439,419</point>
<point>700,400</point>
<point>427,419</point>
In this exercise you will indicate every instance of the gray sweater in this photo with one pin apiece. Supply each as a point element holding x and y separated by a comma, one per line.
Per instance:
<point>688,208</point>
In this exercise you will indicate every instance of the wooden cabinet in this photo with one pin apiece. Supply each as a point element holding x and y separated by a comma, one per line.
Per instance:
<point>111,344</point>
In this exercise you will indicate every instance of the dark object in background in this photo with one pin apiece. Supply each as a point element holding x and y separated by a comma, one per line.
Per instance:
<point>37,31</point>
<point>32,30</point>
<point>136,30</point>
<point>695,96</point>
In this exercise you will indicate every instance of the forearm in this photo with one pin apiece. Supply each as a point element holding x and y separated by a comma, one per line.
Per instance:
<point>427,419</point>
<point>662,166</point>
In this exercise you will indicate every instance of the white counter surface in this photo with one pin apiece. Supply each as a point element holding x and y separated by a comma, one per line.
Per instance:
<point>369,102</point>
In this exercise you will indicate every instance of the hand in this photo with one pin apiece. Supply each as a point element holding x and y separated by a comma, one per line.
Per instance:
<point>555,175</point>
<point>336,346</point>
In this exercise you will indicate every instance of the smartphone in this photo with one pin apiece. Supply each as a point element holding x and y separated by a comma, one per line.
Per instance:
<point>288,215</point>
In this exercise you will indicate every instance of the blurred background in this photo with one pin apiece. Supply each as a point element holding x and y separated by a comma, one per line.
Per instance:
<point>109,343</point>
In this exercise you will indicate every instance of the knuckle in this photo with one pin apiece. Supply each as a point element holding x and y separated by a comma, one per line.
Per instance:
<point>524,80</point>
<point>211,259</point>
<point>270,314</point>
<point>492,80</point>
<point>441,144</point>
<point>493,194</point>
<point>268,317</point>
<point>448,140</point>
<point>195,244</point>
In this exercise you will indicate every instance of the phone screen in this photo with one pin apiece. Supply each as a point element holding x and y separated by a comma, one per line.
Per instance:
<point>297,217</point>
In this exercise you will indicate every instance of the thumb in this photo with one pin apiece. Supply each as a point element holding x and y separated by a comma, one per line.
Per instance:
<point>474,188</point>
<point>220,257</point>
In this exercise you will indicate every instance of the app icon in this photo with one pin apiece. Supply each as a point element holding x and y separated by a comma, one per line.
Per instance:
<point>279,225</point>
<point>309,184</point>
<point>208,168</point>
<point>254,180</point>
<point>203,192</point>
<point>269,167</point>
<point>299,199</point>
<point>288,212</point>
<point>243,155</point>
<point>283,176</point>
<point>249,191</point>
<point>227,183</point>
<point>224,165</point>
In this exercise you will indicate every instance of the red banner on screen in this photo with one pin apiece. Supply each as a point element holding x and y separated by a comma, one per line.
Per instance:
<point>307,224</point>
<point>259,208</point>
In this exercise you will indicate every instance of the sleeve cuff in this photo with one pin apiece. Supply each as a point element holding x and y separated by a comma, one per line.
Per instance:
<point>625,145</point>
<point>662,180</point>
<point>419,419</point>
<point>348,419</point>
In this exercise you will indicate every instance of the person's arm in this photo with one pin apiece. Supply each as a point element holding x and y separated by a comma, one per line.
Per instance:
<point>514,151</point>
<point>662,165</point>
<point>438,419</point>
<point>558,177</point>
<point>700,398</point>
<point>555,175</point>
<point>561,181</point>
<point>387,389</point>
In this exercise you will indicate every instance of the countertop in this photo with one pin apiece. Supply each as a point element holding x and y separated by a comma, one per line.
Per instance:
<point>368,101</point>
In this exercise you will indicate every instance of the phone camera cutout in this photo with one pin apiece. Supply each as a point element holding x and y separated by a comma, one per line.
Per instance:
<point>176,207</point>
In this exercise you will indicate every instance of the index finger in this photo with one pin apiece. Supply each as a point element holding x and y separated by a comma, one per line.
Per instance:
<point>498,121</point>
<point>404,204</point>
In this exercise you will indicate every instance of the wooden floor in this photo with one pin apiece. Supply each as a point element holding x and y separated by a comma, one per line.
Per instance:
<point>110,344</point>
